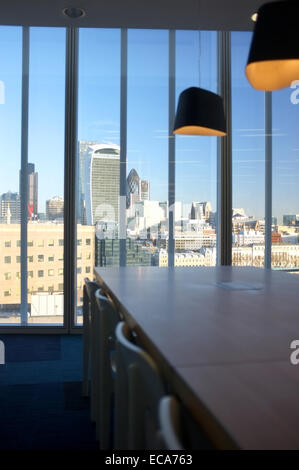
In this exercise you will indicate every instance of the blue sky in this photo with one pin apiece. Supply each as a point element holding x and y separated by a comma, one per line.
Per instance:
<point>99,111</point>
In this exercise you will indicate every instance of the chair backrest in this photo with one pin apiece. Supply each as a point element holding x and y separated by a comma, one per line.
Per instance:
<point>138,391</point>
<point>178,428</point>
<point>89,289</point>
<point>89,308</point>
<point>169,417</point>
<point>106,320</point>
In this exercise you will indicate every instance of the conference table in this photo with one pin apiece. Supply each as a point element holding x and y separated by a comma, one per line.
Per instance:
<point>222,339</point>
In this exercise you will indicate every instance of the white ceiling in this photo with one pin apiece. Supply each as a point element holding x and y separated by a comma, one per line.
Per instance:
<point>177,14</point>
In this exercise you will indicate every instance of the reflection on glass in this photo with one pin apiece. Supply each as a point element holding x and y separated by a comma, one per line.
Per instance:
<point>98,160</point>
<point>10,157</point>
<point>285,174</point>
<point>248,144</point>
<point>196,157</point>
<point>46,175</point>
<point>147,151</point>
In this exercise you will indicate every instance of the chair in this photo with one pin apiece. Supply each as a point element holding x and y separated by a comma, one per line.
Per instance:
<point>178,429</point>
<point>169,417</point>
<point>89,307</point>
<point>138,390</point>
<point>105,325</point>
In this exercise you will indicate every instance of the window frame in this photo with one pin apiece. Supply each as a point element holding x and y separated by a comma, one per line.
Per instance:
<point>69,242</point>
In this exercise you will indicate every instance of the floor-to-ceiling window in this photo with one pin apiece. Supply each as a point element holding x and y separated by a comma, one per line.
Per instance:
<point>143,196</point>
<point>32,177</point>
<point>285,177</point>
<point>45,206</point>
<point>10,153</point>
<point>248,160</point>
<point>98,157</point>
<point>147,147</point>
<point>196,157</point>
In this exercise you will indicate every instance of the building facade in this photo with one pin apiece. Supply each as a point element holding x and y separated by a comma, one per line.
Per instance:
<point>55,208</point>
<point>291,219</point>
<point>107,253</point>
<point>45,255</point>
<point>32,201</point>
<point>10,208</point>
<point>205,257</point>
<point>145,190</point>
<point>101,193</point>
<point>283,256</point>
<point>133,188</point>
<point>82,153</point>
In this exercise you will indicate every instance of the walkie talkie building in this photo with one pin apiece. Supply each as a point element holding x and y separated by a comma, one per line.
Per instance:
<point>102,169</point>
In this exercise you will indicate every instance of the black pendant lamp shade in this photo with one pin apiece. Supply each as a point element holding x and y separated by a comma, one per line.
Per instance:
<point>273,61</point>
<point>199,112</point>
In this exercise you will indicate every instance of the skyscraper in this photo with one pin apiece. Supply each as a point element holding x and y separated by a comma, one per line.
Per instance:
<point>145,190</point>
<point>54,208</point>
<point>137,190</point>
<point>83,147</point>
<point>201,210</point>
<point>10,207</point>
<point>101,188</point>
<point>291,219</point>
<point>32,201</point>
<point>133,188</point>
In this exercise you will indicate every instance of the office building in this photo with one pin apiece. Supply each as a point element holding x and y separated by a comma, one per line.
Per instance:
<point>145,190</point>
<point>201,210</point>
<point>204,257</point>
<point>107,253</point>
<point>55,208</point>
<point>32,192</point>
<point>82,153</point>
<point>10,208</point>
<point>248,237</point>
<point>32,201</point>
<point>291,219</point>
<point>133,188</point>
<point>283,255</point>
<point>45,262</point>
<point>102,170</point>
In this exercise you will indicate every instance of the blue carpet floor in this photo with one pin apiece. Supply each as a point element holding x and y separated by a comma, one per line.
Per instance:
<point>41,407</point>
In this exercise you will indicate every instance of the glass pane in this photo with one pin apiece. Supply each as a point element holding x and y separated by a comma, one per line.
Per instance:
<point>248,144</point>
<point>196,157</point>
<point>46,175</point>
<point>285,203</point>
<point>98,154</point>
<point>10,158</point>
<point>147,147</point>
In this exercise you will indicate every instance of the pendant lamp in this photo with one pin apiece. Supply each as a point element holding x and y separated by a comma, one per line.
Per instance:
<point>273,61</point>
<point>199,112</point>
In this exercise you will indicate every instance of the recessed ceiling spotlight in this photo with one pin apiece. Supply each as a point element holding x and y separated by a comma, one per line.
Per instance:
<point>72,12</point>
<point>254,17</point>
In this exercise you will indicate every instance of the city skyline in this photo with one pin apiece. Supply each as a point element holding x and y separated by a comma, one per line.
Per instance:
<point>33,196</point>
<point>147,133</point>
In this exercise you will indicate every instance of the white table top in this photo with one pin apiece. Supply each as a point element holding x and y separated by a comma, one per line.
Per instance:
<point>203,321</point>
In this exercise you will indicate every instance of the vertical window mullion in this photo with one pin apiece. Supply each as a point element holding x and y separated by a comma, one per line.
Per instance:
<point>122,232</point>
<point>24,166</point>
<point>225,155</point>
<point>70,226</point>
<point>171,150</point>
<point>268,179</point>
